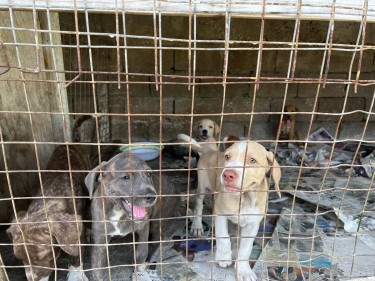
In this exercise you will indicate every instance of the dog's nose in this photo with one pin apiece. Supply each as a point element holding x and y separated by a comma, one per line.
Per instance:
<point>288,117</point>
<point>204,132</point>
<point>150,196</point>
<point>230,176</point>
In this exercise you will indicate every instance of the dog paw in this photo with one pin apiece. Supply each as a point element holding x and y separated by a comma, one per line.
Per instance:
<point>141,268</point>
<point>196,228</point>
<point>223,258</point>
<point>225,263</point>
<point>75,274</point>
<point>244,272</point>
<point>196,232</point>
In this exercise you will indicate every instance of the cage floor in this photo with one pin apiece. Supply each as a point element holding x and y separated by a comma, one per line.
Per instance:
<point>331,241</point>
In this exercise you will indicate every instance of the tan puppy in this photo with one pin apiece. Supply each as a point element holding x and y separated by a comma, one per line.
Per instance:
<point>229,180</point>
<point>207,130</point>
<point>288,131</point>
<point>243,191</point>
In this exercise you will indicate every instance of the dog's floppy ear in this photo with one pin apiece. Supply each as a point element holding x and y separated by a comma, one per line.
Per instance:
<point>14,229</point>
<point>216,130</point>
<point>66,231</point>
<point>276,172</point>
<point>93,177</point>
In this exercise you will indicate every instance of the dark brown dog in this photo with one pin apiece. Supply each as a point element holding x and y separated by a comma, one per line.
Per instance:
<point>65,228</point>
<point>288,131</point>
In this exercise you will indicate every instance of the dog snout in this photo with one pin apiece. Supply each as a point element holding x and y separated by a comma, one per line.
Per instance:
<point>288,117</point>
<point>150,196</point>
<point>204,131</point>
<point>230,176</point>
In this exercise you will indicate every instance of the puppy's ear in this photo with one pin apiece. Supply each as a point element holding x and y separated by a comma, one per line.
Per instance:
<point>14,229</point>
<point>67,231</point>
<point>216,130</point>
<point>93,177</point>
<point>275,171</point>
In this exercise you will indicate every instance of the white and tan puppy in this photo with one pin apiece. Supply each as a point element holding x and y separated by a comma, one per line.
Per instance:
<point>242,185</point>
<point>244,194</point>
<point>207,130</point>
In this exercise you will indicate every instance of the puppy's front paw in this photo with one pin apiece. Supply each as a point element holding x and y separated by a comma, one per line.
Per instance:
<point>75,274</point>
<point>196,228</point>
<point>225,263</point>
<point>244,272</point>
<point>223,257</point>
<point>196,232</point>
<point>141,268</point>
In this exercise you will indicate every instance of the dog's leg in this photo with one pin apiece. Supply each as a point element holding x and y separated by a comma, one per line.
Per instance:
<point>223,253</point>
<point>75,267</point>
<point>196,226</point>
<point>154,236</point>
<point>98,253</point>
<point>244,272</point>
<point>142,248</point>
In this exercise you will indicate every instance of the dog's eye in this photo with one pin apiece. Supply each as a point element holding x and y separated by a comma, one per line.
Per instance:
<point>211,127</point>
<point>126,177</point>
<point>200,126</point>
<point>252,160</point>
<point>149,175</point>
<point>227,157</point>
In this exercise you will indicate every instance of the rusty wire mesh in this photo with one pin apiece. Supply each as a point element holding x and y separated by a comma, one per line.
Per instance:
<point>97,53</point>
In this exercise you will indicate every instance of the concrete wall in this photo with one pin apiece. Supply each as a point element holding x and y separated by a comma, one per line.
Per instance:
<point>17,97</point>
<point>177,99</point>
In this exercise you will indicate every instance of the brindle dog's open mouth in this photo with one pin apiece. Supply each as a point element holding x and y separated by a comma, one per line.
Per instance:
<point>133,211</point>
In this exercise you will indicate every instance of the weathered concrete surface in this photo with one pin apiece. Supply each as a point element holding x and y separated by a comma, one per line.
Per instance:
<point>210,61</point>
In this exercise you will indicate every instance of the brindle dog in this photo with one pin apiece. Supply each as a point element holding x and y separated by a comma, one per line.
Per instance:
<point>65,226</point>
<point>130,197</point>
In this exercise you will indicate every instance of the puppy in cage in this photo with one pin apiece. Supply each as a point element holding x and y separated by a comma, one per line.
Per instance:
<point>242,185</point>
<point>131,199</point>
<point>288,122</point>
<point>207,131</point>
<point>39,243</point>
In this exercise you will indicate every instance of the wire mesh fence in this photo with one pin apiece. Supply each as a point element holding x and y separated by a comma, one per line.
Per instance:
<point>295,77</point>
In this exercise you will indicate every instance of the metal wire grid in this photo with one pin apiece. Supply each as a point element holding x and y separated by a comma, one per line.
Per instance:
<point>191,82</point>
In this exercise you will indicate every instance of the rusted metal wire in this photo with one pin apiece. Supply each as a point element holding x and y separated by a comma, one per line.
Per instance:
<point>296,39</point>
<point>3,49</point>
<point>162,79</point>
<point>260,53</point>
<point>77,45</point>
<point>332,26</point>
<point>362,43</point>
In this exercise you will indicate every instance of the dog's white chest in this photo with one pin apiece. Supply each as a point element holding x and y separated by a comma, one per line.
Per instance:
<point>285,129</point>
<point>116,216</point>
<point>247,216</point>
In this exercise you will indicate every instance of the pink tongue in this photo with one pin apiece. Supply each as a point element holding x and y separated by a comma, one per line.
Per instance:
<point>139,212</point>
<point>288,122</point>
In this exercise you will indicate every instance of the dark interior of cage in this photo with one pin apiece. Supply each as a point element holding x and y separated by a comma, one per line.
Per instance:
<point>148,78</point>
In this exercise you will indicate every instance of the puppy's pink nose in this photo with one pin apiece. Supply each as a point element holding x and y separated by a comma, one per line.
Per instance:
<point>230,176</point>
